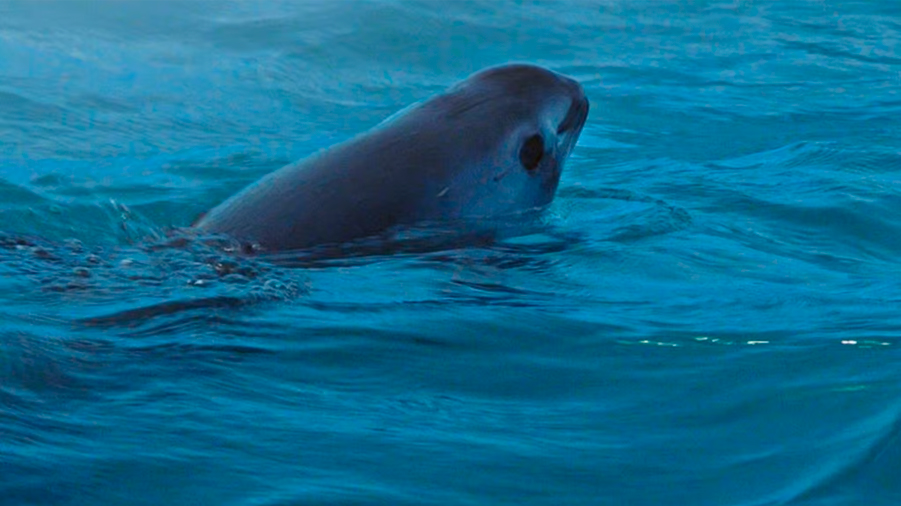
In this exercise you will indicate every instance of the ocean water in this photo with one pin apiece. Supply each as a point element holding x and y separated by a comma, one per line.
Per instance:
<point>708,314</point>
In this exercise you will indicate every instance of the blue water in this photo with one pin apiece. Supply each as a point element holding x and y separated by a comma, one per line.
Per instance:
<point>708,313</point>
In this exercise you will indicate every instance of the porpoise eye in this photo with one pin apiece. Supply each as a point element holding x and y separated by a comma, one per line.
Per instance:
<point>531,152</point>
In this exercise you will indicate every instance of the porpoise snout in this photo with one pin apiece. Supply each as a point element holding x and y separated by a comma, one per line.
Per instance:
<point>578,110</point>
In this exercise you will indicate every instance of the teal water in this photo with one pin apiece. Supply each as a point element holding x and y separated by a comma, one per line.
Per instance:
<point>708,314</point>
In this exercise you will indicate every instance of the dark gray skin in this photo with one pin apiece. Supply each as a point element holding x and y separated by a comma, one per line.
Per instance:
<point>492,145</point>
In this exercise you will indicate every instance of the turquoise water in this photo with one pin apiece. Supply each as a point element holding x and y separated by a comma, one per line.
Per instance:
<point>706,315</point>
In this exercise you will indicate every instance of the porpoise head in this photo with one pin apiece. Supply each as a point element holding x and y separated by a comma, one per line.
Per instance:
<point>514,127</point>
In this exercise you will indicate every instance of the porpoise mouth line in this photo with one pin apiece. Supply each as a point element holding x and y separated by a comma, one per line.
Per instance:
<point>575,117</point>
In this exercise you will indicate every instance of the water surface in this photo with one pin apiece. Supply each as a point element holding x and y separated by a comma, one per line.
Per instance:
<point>707,314</point>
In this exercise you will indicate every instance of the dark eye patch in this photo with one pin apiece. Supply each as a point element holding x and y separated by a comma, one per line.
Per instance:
<point>531,152</point>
